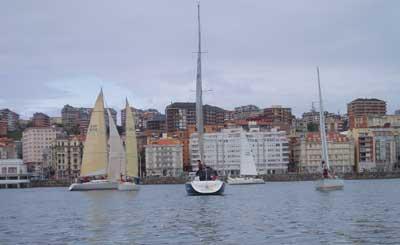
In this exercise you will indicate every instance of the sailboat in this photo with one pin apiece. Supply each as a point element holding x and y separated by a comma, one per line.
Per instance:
<point>129,170</point>
<point>205,187</point>
<point>95,162</point>
<point>327,182</point>
<point>247,166</point>
<point>103,165</point>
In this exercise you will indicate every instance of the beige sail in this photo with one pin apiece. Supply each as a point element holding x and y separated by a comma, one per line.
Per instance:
<point>94,161</point>
<point>130,143</point>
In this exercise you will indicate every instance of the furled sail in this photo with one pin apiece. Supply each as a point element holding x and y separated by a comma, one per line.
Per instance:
<point>94,161</point>
<point>247,163</point>
<point>130,143</point>
<point>116,157</point>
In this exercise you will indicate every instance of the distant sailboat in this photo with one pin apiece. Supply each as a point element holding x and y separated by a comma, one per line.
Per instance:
<point>328,182</point>
<point>248,167</point>
<point>95,155</point>
<point>206,187</point>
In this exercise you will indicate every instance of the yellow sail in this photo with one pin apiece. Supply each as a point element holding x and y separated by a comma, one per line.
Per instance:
<point>130,143</point>
<point>94,161</point>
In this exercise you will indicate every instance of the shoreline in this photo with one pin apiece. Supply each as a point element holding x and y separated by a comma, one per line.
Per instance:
<point>268,178</point>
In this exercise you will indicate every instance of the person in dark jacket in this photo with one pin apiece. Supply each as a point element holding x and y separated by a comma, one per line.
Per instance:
<point>201,172</point>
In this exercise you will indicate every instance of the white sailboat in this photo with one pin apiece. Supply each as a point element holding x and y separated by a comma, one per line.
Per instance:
<point>205,187</point>
<point>247,166</point>
<point>95,155</point>
<point>327,182</point>
<point>130,167</point>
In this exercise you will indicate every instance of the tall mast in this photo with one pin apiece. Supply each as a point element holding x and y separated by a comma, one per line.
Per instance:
<point>322,124</point>
<point>199,91</point>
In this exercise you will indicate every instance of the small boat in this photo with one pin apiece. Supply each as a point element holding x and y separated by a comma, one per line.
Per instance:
<point>204,187</point>
<point>328,182</point>
<point>207,187</point>
<point>248,167</point>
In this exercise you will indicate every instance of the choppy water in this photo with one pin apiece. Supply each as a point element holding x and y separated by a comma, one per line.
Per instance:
<point>365,212</point>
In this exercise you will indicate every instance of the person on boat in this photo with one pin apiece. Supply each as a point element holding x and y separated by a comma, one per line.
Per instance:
<point>325,171</point>
<point>201,172</point>
<point>211,174</point>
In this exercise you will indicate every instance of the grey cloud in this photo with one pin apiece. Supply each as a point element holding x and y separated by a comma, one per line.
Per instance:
<point>259,52</point>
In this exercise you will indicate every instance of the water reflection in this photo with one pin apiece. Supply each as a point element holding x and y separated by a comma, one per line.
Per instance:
<point>104,211</point>
<point>206,218</point>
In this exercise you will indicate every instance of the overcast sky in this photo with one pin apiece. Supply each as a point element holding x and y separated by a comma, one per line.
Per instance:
<point>259,52</point>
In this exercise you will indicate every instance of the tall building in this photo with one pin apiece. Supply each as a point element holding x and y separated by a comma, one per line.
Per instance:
<point>164,158</point>
<point>40,120</point>
<point>142,117</point>
<point>397,112</point>
<point>76,120</point>
<point>359,109</point>
<point>34,142</point>
<point>180,115</point>
<point>279,114</point>
<point>11,117</point>
<point>66,155</point>
<point>156,123</point>
<point>245,112</point>
<point>70,116</point>
<point>223,150</point>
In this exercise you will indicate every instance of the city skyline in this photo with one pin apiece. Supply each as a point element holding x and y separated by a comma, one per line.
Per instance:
<point>259,53</point>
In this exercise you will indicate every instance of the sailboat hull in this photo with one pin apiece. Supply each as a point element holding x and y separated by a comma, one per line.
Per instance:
<point>198,188</point>
<point>329,184</point>
<point>245,181</point>
<point>94,185</point>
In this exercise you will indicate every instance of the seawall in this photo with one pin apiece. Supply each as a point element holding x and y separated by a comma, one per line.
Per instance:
<point>268,178</point>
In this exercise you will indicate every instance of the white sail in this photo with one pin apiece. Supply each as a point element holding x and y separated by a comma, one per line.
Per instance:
<point>94,161</point>
<point>116,157</point>
<point>130,143</point>
<point>247,163</point>
<point>322,129</point>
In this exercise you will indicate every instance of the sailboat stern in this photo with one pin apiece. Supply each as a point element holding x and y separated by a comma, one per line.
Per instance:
<point>196,187</point>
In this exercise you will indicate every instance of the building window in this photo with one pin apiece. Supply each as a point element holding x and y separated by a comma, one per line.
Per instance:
<point>12,170</point>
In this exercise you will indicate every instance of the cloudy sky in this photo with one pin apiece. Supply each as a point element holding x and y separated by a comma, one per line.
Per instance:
<point>258,52</point>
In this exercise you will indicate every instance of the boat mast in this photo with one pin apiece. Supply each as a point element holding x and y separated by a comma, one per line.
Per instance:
<point>322,125</point>
<point>199,92</point>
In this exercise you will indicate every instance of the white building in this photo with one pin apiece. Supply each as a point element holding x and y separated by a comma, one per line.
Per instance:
<point>13,173</point>
<point>223,150</point>
<point>34,142</point>
<point>164,158</point>
<point>12,167</point>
